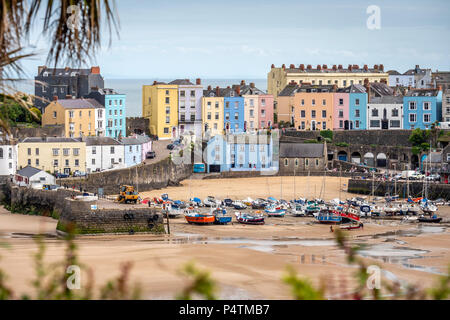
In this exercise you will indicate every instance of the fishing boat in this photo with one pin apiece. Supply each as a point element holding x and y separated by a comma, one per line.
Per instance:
<point>248,202</point>
<point>433,219</point>
<point>312,208</point>
<point>210,201</point>
<point>428,208</point>
<point>194,217</point>
<point>259,204</point>
<point>196,202</point>
<point>172,211</point>
<point>327,216</point>
<point>247,218</point>
<point>239,205</point>
<point>298,211</point>
<point>275,211</point>
<point>220,216</point>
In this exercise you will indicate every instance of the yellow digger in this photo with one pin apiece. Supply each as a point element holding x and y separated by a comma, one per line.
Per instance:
<point>127,195</point>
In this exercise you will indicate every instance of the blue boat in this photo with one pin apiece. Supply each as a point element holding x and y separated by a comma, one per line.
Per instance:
<point>220,216</point>
<point>275,211</point>
<point>327,216</point>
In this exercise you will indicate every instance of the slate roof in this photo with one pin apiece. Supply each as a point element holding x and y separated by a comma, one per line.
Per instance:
<point>394,73</point>
<point>101,141</point>
<point>289,90</point>
<point>355,88</point>
<point>79,103</point>
<point>64,71</point>
<point>301,150</point>
<point>381,89</point>
<point>330,70</point>
<point>387,100</point>
<point>50,139</point>
<point>130,141</point>
<point>423,93</point>
<point>104,91</point>
<point>182,82</point>
<point>28,171</point>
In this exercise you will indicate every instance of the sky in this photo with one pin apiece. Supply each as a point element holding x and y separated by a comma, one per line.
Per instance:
<point>241,39</point>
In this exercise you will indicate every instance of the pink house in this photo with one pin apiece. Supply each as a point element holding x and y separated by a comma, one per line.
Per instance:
<point>145,142</point>
<point>341,111</point>
<point>265,103</point>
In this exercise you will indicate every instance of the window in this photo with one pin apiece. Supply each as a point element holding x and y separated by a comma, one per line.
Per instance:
<point>427,117</point>
<point>76,151</point>
<point>167,100</point>
<point>77,162</point>
<point>94,150</point>
<point>192,117</point>
<point>302,113</point>
<point>227,116</point>
<point>227,104</point>
<point>313,102</point>
<point>296,162</point>
<point>111,151</point>
<point>395,123</point>
<point>216,116</point>
<point>306,162</point>
<point>303,102</point>
<point>55,151</point>
<point>167,92</point>
<point>357,124</point>
<point>166,130</point>
<point>215,126</point>
<point>341,101</point>
<point>66,151</point>
<point>29,162</point>
<point>394,112</point>
<point>357,114</point>
<point>374,123</point>
<point>182,93</point>
<point>209,104</point>
<point>263,102</point>
<point>79,113</point>
<point>286,162</point>
<point>317,162</point>
<point>192,94</point>
<point>252,103</point>
<point>236,116</point>
<point>182,116</point>
<point>217,105</point>
<point>375,112</point>
<point>313,113</point>
<point>324,113</point>
<point>37,162</point>
<point>341,124</point>
<point>263,113</point>
<point>324,125</point>
<point>412,105</point>
<point>324,102</point>
<point>209,115</point>
<point>236,105</point>
<point>426,105</point>
<point>341,113</point>
<point>168,119</point>
<point>252,113</point>
<point>55,162</point>
<point>131,148</point>
<point>357,102</point>
<point>303,125</point>
<point>54,114</point>
<point>252,148</point>
<point>344,83</point>
<point>412,117</point>
<point>29,151</point>
<point>67,162</point>
<point>193,104</point>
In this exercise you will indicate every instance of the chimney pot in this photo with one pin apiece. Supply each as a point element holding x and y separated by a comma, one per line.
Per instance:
<point>272,66</point>
<point>283,66</point>
<point>324,67</point>
<point>375,67</point>
<point>242,82</point>
<point>381,67</point>
<point>350,67</point>
<point>319,67</point>
<point>198,81</point>
<point>238,90</point>
<point>366,68</point>
<point>340,67</point>
<point>302,67</point>
<point>355,66</point>
<point>217,91</point>
<point>154,82</point>
<point>95,70</point>
<point>334,67</point>
<point>291,66</point>
<point>209,87</point>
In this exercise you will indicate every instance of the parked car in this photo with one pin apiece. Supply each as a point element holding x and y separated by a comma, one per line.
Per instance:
<point>78,173</point>
<point>61,175</point>
<point>150,155</point>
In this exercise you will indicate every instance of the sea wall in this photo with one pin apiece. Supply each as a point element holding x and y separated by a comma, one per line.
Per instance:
<point>145,177</point>
<point>80,216</point>
<point>381,188</point>
<point>256,174</point>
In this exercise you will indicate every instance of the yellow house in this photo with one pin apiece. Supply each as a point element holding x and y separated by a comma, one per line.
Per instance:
<point>160,105</point>
<point>63,155</point>
<point>212,112</point>
<point>342,77</point>
<point>80,117</point>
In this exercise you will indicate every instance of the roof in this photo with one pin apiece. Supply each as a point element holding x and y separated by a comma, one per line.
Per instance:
<point>104,91</point>
<point>422,93</point>
<point>387,100</point>
<point>79,103</point>
<point>130,141</point>
<point>65,71</point>
<point>394,73</point>
<point>101,141</point>
<point>417,70</point>
<point>301,150</point>
<point>289,90</point>
<point>331,70</point>
<point>182,82</point>
<point>50,139</point>
<point>356,88</point>
<point>143,138</point>
<point>28,171</point>
<point>381,89</point>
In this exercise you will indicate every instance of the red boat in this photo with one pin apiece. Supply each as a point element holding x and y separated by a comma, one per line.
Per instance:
<point>200,218</point>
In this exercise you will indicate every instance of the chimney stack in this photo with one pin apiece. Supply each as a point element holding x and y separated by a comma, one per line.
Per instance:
<point>252,84</point>
<point>334,87</point>
<point>95,70</point>
<point>349,67</point>
<point>291,66</point>
<point>324,67</point>
<point>375,67</point>
<point>272,66</point>
<point>340,67</point>
<point>366,68</point>
<point>319,67</point>
<point>217,91</point>
<point>367,86</point>
<point>283,66</point>
<point>308,67</point>
<point>154,82</point>
<point>238,90</point>
<point>209,87</point>
<point>381,67</point>
<point>302,67</point>
<point>242,82</point>
<point>355,66</point>
<point>334,67</point>
<point>198,81</point>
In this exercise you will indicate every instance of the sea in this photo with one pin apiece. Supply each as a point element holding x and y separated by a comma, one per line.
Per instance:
<point>133,89</point>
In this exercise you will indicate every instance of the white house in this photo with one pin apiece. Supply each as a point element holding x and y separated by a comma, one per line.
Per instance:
<point>33,177</point>
<point>8,157</point>
<point>103,153</point>
<point>385,112</point>
<point>100,122</point>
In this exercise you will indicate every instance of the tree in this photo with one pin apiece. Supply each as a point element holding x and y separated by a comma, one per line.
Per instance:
<point>72,27</point>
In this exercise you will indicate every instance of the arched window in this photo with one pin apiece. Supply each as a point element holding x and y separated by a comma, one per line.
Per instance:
<point>286,162</point>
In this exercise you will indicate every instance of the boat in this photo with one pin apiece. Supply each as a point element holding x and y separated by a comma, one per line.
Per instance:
<point>173,212</point>
<point>196,201</point>
<point>428,208</point>
<point>238,205</point>
<point>351,226</point>
<point>248,202</point>
<point>194,217</point>
<point>433,219</point>
<point>327,216</point>
<point>298,211</point>
<point>210,201</point>
<point>275,211</point>
<point>220,216</point>
<point>259,204</point>
<point>247,218</point>
<point>312,208</point>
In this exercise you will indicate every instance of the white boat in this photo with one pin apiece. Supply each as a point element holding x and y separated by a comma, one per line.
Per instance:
<point>210,201</point>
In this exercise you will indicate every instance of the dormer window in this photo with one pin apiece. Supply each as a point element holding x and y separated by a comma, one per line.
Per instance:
<point>45,74</point>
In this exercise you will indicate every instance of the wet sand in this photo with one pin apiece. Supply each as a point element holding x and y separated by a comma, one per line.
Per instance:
<point>247,261</point>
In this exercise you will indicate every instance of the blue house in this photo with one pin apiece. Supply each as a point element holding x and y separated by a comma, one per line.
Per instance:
<point>234,116</point>
<point>422,107</point>
<point>357,107</point>
<point>115,109</point>
<point>240,152</point>
<point>132,151</point>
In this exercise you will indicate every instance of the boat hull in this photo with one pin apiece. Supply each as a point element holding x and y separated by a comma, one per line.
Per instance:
<point>222,220</point>
<point>200,219</point>
<point>430,220</point>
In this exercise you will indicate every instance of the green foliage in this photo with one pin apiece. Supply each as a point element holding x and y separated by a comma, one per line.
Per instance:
<point>201,283</point>
<point>118,289</point>
<point>311,141</point>
<point>442,290</point>
<point>327,134</point>
<point>275,117</point>
<point>416,150</point>
<point>419,136</point>
<point>341,144</point>
<point>302,289</point>
<point>14,113</point>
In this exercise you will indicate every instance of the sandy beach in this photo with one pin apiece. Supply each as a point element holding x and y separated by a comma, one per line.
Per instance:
<point>248,262</point>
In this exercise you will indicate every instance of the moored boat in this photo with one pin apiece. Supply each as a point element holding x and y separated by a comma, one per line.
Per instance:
<point>327,216</point>
<point>220,216</point>
<point>433,219</point>
<point>351,226</point>
<point>199,218</point>
<point>247,218</point>
<point>275,211</point>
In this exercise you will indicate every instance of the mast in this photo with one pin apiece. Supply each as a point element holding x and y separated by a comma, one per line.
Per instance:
<point>295,193</point>
<point>340,181</point>
<point>373,185</point>
<point>281,187</point>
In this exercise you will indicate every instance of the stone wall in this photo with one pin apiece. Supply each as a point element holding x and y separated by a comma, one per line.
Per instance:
<point>378,137</point>
<point>137,125</point>
<point>257,174</point>
<point>144,177</point>
<point>47,131</point>
<point>79,215</point>
<point>435,190</point>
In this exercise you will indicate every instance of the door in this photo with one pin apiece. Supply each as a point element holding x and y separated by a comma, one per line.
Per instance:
<point>313,125</point>
<point>346,125</point>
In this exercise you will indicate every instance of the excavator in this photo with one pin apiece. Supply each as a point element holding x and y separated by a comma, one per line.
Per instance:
<point>127,195</point>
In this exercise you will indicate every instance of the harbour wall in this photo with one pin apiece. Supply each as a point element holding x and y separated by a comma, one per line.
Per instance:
<point>145,177</point>
<point>257,174</point>
<point>381,188</point>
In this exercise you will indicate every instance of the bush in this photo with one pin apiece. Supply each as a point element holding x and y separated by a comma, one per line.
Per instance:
<point>341,144</point>
<point>327,134</point>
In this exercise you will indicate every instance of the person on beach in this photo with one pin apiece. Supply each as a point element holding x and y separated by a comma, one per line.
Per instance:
<point>331,229</point>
